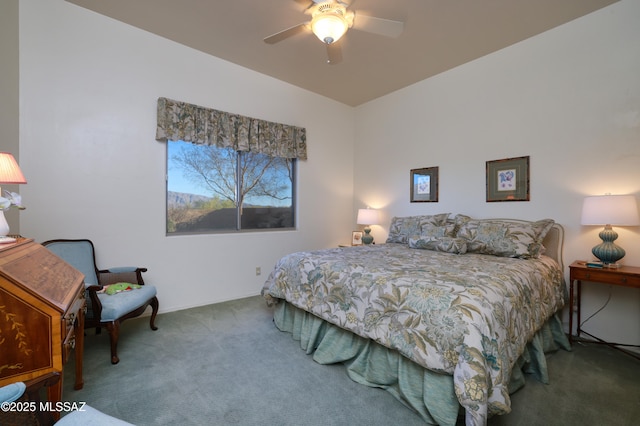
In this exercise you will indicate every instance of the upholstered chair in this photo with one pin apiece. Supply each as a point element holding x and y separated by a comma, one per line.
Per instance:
<point>105,309</point>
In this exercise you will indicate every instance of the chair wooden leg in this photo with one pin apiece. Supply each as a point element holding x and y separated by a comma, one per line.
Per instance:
<point>154,306</point>
<point>114,333</point>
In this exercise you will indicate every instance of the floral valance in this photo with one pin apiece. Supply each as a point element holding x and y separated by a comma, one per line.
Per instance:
<point>192,123</point>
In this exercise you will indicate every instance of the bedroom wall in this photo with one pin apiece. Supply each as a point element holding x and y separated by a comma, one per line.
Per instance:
<point>9,133</point>
<point>88,91</point>
<point>568,98</point>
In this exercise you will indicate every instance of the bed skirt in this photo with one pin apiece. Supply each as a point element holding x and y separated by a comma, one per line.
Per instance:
<point>428,393</point>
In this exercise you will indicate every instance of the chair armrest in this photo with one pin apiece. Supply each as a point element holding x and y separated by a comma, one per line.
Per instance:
<point>44,381</point>
<point>28,392</point>
<point>94,288</point>
<point>128,274</point>
<point>96,305</point>
<point>33,394</point>
<point>122,269</point>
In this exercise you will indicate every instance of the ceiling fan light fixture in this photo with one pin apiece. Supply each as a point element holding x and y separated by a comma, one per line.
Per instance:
<point>329,24</point>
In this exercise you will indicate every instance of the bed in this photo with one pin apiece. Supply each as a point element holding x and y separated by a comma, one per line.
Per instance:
<point>447,316</point>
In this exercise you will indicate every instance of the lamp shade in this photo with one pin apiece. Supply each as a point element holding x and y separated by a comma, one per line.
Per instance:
<point>620,210</point>
<point>367,217</point>
<point>10,173</point>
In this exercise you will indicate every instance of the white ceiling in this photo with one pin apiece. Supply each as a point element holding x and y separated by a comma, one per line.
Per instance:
<point>438,35</point>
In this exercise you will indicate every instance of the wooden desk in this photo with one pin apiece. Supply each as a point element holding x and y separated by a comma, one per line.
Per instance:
<point>625,276</point>
<point>42,308</point>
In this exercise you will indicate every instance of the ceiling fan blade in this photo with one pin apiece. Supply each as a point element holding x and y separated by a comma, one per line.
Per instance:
<point>334,53</point>
<point>306,3</point>
<point>385,27</point>
<point>289,32</point>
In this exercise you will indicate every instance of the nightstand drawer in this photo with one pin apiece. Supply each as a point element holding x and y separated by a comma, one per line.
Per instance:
<point>608,276</point>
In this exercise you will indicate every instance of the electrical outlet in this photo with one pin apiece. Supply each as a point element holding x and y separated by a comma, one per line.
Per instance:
<point>258,270</point>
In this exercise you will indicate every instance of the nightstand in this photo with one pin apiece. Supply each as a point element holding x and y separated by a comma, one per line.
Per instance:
<point>625,276</point>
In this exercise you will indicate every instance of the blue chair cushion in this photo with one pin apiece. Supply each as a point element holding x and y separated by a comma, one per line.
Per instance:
<point>116,305</point>
<point>90,416</point>
<point>10,393</point>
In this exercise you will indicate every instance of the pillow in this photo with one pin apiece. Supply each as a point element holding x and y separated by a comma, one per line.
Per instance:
<point>428,228</point>
<point>402,227</point>
<point>112,289</point>
<point>444,244</point>
<point>431,230</point>
<point>502,237</point>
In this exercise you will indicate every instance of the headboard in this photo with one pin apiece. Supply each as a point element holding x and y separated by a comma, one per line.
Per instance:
<point>553,243</point>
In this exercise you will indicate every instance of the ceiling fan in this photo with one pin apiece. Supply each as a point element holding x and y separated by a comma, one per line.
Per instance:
<point>330,20</point>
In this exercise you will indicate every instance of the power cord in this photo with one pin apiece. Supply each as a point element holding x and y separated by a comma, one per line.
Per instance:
<point>596,312</point>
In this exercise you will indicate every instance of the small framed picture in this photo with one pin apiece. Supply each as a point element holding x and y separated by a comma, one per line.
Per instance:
<point>356,238</point>
<point>508,179</point>
<point>424,185</point>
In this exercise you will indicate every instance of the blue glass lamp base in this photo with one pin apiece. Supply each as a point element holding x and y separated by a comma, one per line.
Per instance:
<point>367,238</point>
<point>608,252</point>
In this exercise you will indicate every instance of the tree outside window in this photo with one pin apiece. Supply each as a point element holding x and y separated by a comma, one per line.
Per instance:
<point>213,189</point>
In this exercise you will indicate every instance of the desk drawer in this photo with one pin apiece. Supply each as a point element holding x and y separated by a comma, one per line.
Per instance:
<point>69,344</point>
<point>70,325</point>
<point>72,314</point>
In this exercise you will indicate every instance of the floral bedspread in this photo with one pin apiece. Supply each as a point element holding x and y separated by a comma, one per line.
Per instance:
<point>467,315</point>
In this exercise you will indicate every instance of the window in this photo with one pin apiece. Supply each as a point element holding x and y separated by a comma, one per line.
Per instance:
<point>218,189</point>
<point>227,172</point>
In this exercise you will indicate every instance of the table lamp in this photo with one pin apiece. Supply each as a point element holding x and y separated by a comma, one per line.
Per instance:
<point>10,173</point>
<point>607,210</point>
<point>367,217</point>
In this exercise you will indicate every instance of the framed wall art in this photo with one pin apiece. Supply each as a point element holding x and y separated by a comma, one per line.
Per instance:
<point>356,238</point>
<point>508,179</point>
<point>424,185</point>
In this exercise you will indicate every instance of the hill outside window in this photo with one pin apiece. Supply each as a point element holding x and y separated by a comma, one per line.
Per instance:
<point>227,172</point>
